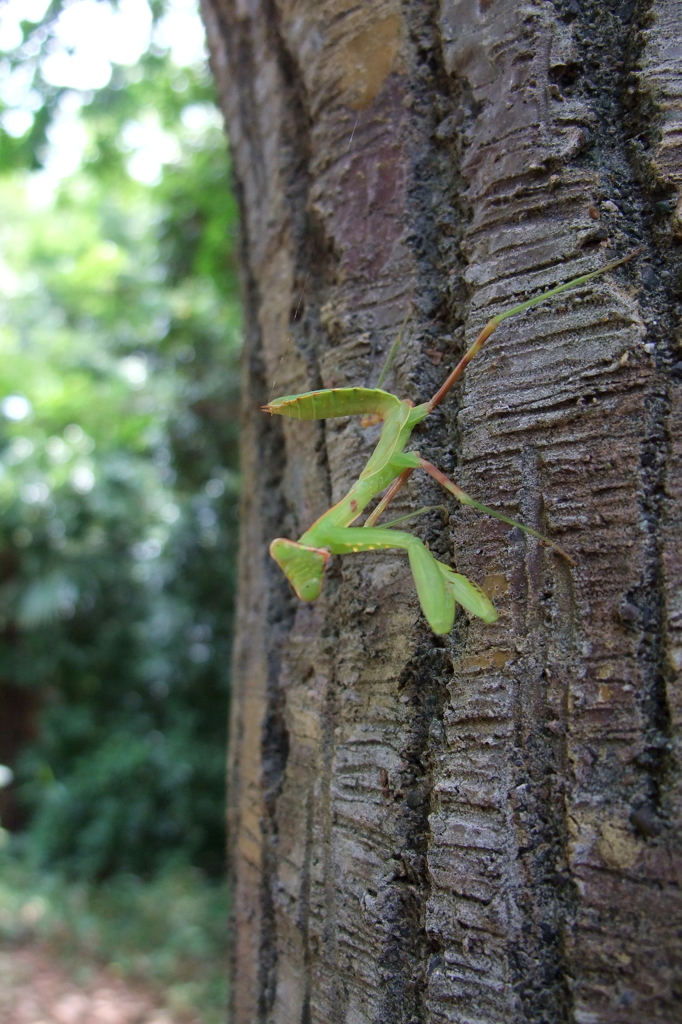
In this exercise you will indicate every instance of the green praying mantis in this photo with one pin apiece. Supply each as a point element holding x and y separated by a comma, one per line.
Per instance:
<point>439,587</point>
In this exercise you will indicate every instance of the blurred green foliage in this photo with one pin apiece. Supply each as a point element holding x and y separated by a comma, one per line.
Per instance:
<point>119,329</point>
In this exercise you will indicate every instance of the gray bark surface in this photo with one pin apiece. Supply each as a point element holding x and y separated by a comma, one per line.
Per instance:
<point>484,827</point>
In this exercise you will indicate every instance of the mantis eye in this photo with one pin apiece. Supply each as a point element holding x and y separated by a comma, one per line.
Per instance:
<point>302,566</point>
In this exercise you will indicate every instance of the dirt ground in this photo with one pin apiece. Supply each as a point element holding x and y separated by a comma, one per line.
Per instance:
<point>35,989</point>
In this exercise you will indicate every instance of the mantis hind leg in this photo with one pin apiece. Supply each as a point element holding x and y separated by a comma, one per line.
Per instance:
<point>466,500</point>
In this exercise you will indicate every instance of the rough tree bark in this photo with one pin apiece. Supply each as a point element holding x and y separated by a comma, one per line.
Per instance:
<point>480,827</point>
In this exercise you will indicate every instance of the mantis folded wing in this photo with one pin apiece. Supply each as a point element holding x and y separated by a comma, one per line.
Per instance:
<point>439,588</point>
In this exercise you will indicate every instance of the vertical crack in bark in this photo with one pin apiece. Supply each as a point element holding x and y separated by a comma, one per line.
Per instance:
<point>407,950</point>
<point>439,218</point>
<point>442,107</point>
<point>304,906</point>
<point>643,125</point>
<point>538,813</point>
<point>279,617</point>
<point>649,598</point>
<point>329,936</point>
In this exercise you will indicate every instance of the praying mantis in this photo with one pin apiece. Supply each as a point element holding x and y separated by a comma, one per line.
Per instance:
<point>439,588</point>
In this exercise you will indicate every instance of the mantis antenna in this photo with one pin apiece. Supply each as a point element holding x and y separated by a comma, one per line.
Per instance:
<point>394,348</point>
<point>489,328</point>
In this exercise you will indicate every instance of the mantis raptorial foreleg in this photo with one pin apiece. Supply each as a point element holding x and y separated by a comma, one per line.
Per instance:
<point>439,588</point>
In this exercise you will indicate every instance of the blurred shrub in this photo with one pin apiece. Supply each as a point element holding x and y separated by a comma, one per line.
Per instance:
<point>119,331</point>
<point>168,933</point>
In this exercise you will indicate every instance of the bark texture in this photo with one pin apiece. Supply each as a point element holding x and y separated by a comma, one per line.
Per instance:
<point>483,827</point>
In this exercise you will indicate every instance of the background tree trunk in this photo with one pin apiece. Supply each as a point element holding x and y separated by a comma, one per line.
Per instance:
<point>479,827</point>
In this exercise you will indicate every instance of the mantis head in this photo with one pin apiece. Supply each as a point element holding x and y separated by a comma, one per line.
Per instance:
<point>302,566</point>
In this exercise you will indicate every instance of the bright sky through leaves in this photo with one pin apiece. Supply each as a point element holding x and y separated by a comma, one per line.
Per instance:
<point>15,407</point>
<point>89,37</point>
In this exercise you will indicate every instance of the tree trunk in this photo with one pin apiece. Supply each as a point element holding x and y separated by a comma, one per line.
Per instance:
<point>479,827</point>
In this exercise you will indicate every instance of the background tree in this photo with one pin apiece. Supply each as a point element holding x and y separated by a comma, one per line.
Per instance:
<point>481,826</point>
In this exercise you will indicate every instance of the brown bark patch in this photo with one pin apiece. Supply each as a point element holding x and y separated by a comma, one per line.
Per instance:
<point>368,59</point>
